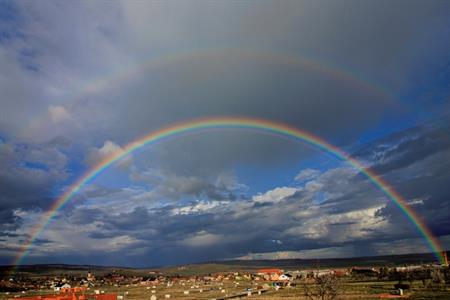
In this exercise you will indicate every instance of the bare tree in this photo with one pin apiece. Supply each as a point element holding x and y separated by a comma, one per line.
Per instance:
<point>324,288</point>
<point>438,278</point>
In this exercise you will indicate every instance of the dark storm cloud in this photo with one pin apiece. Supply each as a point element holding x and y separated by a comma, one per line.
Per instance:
<point>227,81</point>
<point>40,242</point>
<point>8,223</point>
<point>245,87</point>
<point>132,220</point>
<point>428,188</point>
<point>28,173</point>
<point>221,58</point>
<point>241,79</point>
<point>85,216</point>
<point>233,82</point>
<point>416,163</point>
<point>27,170</point>
<point>403,149</point>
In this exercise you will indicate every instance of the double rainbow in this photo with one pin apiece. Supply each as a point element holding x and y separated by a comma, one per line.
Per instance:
<point>260,125</point>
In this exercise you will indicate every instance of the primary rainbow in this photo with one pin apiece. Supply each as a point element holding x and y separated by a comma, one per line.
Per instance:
<point>237,123</point>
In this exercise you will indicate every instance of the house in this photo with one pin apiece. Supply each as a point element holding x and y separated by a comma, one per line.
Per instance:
<point>60,286</point>
<point>284,277</point>
<point>90,277</point>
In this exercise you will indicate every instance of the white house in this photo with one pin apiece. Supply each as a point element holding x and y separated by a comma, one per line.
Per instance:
<point>61,286</point>
<point>284,277</point>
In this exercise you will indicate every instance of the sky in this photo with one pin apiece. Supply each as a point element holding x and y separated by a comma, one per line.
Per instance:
<point>80,80</point>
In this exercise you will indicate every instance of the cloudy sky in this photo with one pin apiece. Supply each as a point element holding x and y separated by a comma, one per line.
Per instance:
<point>80,80</point>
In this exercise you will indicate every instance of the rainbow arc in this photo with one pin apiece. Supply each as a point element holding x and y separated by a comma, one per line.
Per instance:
<point>259,125</point>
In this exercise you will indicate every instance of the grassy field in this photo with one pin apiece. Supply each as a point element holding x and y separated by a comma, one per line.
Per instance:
<point>347,290</point>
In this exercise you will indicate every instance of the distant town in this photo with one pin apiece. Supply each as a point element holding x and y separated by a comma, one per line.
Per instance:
<point>203,281</point>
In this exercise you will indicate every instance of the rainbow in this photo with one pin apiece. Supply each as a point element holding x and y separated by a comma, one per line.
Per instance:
<point>260,125</point>
<point>279,58</point>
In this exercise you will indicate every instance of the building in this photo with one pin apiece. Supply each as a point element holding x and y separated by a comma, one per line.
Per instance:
<point>90,277</point>
<point>284,277</point>
<point>61,286</point>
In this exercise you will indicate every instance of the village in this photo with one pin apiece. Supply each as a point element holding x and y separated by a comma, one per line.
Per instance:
<point>264,283</point>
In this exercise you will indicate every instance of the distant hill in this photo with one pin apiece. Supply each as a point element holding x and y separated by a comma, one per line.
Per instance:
<point>66,270</point>
<point>385,260</point>
<point>223,266</point>
<point>298,264</point>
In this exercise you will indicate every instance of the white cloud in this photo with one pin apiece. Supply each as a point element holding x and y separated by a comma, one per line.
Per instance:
<point>59,113</point>
<point>351,225</point>
<point>307,174</point>
<point>198,207</point>
<point>276,195</point>
<point>109,148</point>
<point>313,186</point>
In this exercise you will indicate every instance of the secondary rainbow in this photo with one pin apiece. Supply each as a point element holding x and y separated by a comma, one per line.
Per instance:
<point>81,95</point>
<point>234,123</point>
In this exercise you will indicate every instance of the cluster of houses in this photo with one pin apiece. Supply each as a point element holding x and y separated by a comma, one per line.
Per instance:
<point>273,275</point>
<point>58,284</point>
<point>61,284</point>
<point>55,283</point>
